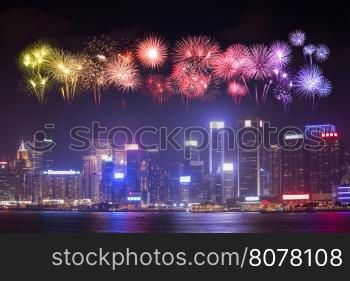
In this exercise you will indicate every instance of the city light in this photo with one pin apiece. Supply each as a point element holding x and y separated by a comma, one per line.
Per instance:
<point>296,197</point>
<point>106,158</point>
<point>119,176</point>
<point>134,198</point>
<point>217,125</point>
<point>131,147</point>
<point>247,123</point>
<point>185,179</point>
<point>293,137</point>
<point>228,167</point>
<point>191,143</point>
<point>70,172</point>
<point>252,198</point>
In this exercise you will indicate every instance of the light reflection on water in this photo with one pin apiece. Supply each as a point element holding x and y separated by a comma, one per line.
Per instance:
<point>171,222</point>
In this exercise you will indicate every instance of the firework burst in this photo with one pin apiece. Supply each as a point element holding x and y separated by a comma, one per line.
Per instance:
<point>198,51</point>
<point>325,88</point>
<point>67,69</point>
<point>322,52</point>
<point>152,52</point>
<point>232,63</point>
<point>260,62</point>
<point>281,53</point>
<point>308,81</point>
<point>236,91</point>
<point>297,38</point>
<point>122,73</point>
<point>98,52</point>
<point>158,88</point>
<point>32,62</point>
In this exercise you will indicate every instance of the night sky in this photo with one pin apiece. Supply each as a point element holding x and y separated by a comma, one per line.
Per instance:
<point>69,23</point>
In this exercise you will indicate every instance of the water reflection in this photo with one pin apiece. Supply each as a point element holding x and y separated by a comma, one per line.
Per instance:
<point>171,222</point>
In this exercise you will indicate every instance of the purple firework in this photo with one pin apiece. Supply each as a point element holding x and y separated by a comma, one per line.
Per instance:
<point>325,88</point>
<point>322,52</point>
<point>297,38</point>
<point>281,53</point>
<point>308,81</point>
<point>309,50</point>
<point>260,62</point>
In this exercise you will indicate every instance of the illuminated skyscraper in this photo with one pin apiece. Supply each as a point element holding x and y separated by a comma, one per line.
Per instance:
<point>90,179</point>
<point>61,185</point>
<point>293,164</point>
<point>250,159</point>
<point>132,168</point>
<point>107,181</point>
<point>6,192</point>
<point>324,162</point>
<point>216,160</point>
<point>22,173</point>
<point>274,178</point>
<point>174,173</point>
<point>228,184</point>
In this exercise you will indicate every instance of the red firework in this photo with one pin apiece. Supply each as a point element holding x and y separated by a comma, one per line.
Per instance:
<point>232,63</point>
<point>198,51</point>
<point>157,87</point>
<point>236,91</point>
<point>152,52</point>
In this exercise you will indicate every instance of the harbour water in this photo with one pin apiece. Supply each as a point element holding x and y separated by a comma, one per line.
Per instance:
<point>171,222</point>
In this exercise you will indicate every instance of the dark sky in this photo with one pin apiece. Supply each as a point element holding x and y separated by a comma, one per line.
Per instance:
<point>69,23</point>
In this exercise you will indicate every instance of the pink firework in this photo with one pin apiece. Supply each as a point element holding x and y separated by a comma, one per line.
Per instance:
<point>236,91</point>
<point>158,88</point>
<point>260,62</point>
<point>232,63</point>
<point>122,73</point>
<point>198,51</point>
<point>152,52</point>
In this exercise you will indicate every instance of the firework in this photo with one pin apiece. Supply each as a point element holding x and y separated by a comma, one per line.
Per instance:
<point>236,91</point>
<point>232,63</point>
<point>157,87</point>
<point>308,81</point>
<point>152,52</point>
<point>281,53</point>
<point>122,73</point>
<point>322,52</point>
<point>198,51</point>
<point>32,61</point>
<point>297,38</point>
<point>260,62</point>
<point>325,88</point>
<point>98,52</point>
<point>309,50</point>
<point>66,68</point>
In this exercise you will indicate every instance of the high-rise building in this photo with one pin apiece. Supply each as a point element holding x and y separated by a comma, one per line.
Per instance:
<point>216,159</point>
<point>132,167</point>
<point>107,181</point>
<point>174,174</point>
<point>61,185</point>
<point>196,171</point>
<point>6,191</point>
<point>22,173</point>
<point>228,183</point>
<point>90,179</point>
<point>293,164</point>
<point>274,178</point>
<point>185,184</point>
<point>250,159</point>
<point>324,161</point>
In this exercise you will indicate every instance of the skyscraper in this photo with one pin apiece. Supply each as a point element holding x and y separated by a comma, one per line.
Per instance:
<point>61,185</point>
<point>274,178</point>
<point>90,179</point>
<point>228,183</point>
<point>324,162</point>
<point>216,159</point>
<point>293,164</point>
<point>132,167</point>
<point>6,193</point>
<point>174,173</point>
<point>22,173</point>
<point>107,180</point>
<point>250,159</point>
